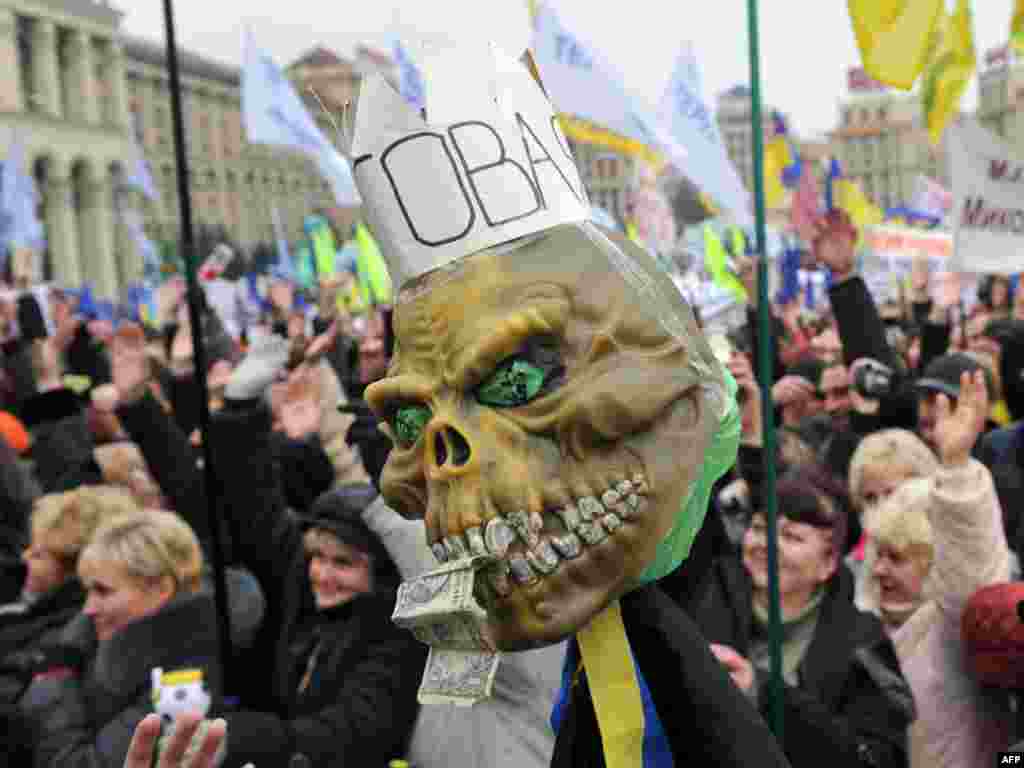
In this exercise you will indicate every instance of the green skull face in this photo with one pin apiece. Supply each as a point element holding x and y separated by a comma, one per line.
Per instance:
<point>549,405</point>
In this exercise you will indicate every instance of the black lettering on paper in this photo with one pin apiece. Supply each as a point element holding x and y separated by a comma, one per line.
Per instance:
<point>503,159</point>
<point>428,135</point>
<point>581,194</point>
<point>524,128</point>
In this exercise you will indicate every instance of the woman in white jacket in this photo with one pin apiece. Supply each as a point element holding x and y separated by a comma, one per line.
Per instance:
<point>931,545</point>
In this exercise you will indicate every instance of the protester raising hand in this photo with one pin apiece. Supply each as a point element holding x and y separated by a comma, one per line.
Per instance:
<point>750,398</point>
<point>175,751</point>
<point>129,363</point>
<point>835,244</point>
<point>957,428</point>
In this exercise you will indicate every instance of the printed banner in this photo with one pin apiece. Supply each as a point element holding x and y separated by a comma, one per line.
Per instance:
<point>988,215</point>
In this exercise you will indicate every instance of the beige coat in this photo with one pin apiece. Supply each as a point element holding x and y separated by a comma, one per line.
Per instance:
<point>960,724</point>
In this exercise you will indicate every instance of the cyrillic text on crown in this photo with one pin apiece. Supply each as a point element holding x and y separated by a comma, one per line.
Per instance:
<point>433,193</point>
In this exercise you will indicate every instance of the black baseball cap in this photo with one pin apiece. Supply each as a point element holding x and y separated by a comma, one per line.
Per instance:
<point>943,374</point>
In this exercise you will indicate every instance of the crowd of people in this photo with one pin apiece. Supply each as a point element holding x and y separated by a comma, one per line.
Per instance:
<point>899,473</point>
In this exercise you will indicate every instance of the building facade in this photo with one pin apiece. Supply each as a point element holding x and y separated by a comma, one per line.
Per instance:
<point>1001,95</point>
<point>73,89</point>
<point>882,142</point>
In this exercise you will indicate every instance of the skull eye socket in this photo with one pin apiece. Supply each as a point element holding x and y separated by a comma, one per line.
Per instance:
<point>408,423</point>
<point>514,383</point>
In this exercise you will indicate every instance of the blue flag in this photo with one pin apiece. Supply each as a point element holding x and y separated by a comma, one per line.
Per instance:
<point>274,114</point>
<point>19,225</point>
<point>410,79</point>
<point>834,172</point>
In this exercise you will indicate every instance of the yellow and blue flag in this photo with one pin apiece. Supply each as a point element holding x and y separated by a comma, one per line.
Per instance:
<point>950,68</point>
<point>895,37</point>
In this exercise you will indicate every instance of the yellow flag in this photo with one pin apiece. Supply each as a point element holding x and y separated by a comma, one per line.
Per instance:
<point>950,68</point>
<point>850,198</point>
<point>1017,28</point>
<point>893,37</point>
<point>776,157</point>
<point>716,263</point>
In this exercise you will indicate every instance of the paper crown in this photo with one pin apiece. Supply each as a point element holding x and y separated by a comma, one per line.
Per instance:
<point>490,166</point>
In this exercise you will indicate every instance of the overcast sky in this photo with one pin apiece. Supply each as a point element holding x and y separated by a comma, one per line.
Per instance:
<point>806,45</point>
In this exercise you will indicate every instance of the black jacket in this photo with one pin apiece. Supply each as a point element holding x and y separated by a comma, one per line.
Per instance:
<point>360,705</point>
<point>23,625</point>
<point>852,706</point>
<point>85,719</point>
<point>706,719</point>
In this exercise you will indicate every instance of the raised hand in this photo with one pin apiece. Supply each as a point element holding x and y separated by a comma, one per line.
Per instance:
<point>129,363</point>
<point>323,343</point>
<point>750,398</point>
<point>739,667</point>
<point>957,428</point>
<point>173,755</point>
<point>282,296</point>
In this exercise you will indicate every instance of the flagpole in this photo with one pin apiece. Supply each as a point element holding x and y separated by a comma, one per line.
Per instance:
<point>198,350</point>
<point>766,366</point>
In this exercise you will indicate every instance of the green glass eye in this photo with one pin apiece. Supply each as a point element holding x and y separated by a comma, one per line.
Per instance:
<point>515,383</point>
<point>408,423</point>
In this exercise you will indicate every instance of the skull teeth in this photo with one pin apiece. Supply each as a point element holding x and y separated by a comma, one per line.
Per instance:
<point>591,533</point>
<point>527,527</point>
<point>611,522</point>
<point>590,508</point>
<point>498,537</point>
<point>588,521</point>
<point>476,541</point>
<point>543,558</point>
<point>440,553</point>
<point>522,571</point>
<point>570,516</point>
<point>568,546</point>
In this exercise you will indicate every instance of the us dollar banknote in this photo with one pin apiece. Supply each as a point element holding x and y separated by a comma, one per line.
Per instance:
<point>458,677</point>
<point>441,610</point>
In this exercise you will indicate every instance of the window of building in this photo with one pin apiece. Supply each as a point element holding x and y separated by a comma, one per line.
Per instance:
<point>865,117</point>
<point>160,118</point>
<point>136,124</point>
<point>883,114</point>
<point>26,64</point>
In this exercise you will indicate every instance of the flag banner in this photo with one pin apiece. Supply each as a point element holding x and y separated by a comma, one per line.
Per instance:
<point>988,215</point>
<point>689,119</point>
<point>1017,28</point>
<point>950,67</point>
<point>804,212</point>
<point>410,79</point>
<point>284,268</point>
<point>20,228</point>
<point>140,175</point>
<point>894,37</point>
<point>274,114</point>
<point>143,245</point>
<point>582,85</point>
<point>888,258</point>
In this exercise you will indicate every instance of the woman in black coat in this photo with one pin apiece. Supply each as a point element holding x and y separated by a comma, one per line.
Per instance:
<point>844,699</point>
<point>344,677</point>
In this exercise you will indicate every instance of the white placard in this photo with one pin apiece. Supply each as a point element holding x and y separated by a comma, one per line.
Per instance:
<point>988,201</point>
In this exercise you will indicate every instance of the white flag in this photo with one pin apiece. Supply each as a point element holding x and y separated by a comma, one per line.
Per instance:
<point>581,83</point>
<point>274,114</point>
<point>690,120</point>
<point>988,214</point>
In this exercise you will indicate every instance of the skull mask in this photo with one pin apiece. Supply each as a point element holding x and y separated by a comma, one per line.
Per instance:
<point>548,404</point>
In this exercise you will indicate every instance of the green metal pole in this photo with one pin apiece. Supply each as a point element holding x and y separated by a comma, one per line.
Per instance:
<point>765,364</point>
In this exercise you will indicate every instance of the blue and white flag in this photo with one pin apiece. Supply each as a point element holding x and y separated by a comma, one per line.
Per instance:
<point>19,225</point>
<point>582,84</point>
<point>284,268</point>
<point>687,117</point>
<point>410,79</point>
<point>140,176</point>
<point>147,250</point>
<point>274,114</point>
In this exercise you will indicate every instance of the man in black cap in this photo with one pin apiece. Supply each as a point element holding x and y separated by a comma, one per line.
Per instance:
<point>942,376</point>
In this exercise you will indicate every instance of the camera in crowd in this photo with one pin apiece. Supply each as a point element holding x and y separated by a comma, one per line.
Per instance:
<point>873,380</point>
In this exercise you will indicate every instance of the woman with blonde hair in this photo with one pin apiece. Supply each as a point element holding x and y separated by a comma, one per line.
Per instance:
<point>146,610</point>
<point>933,543</point>
<point>61,525</point>
<point>883,461</point>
